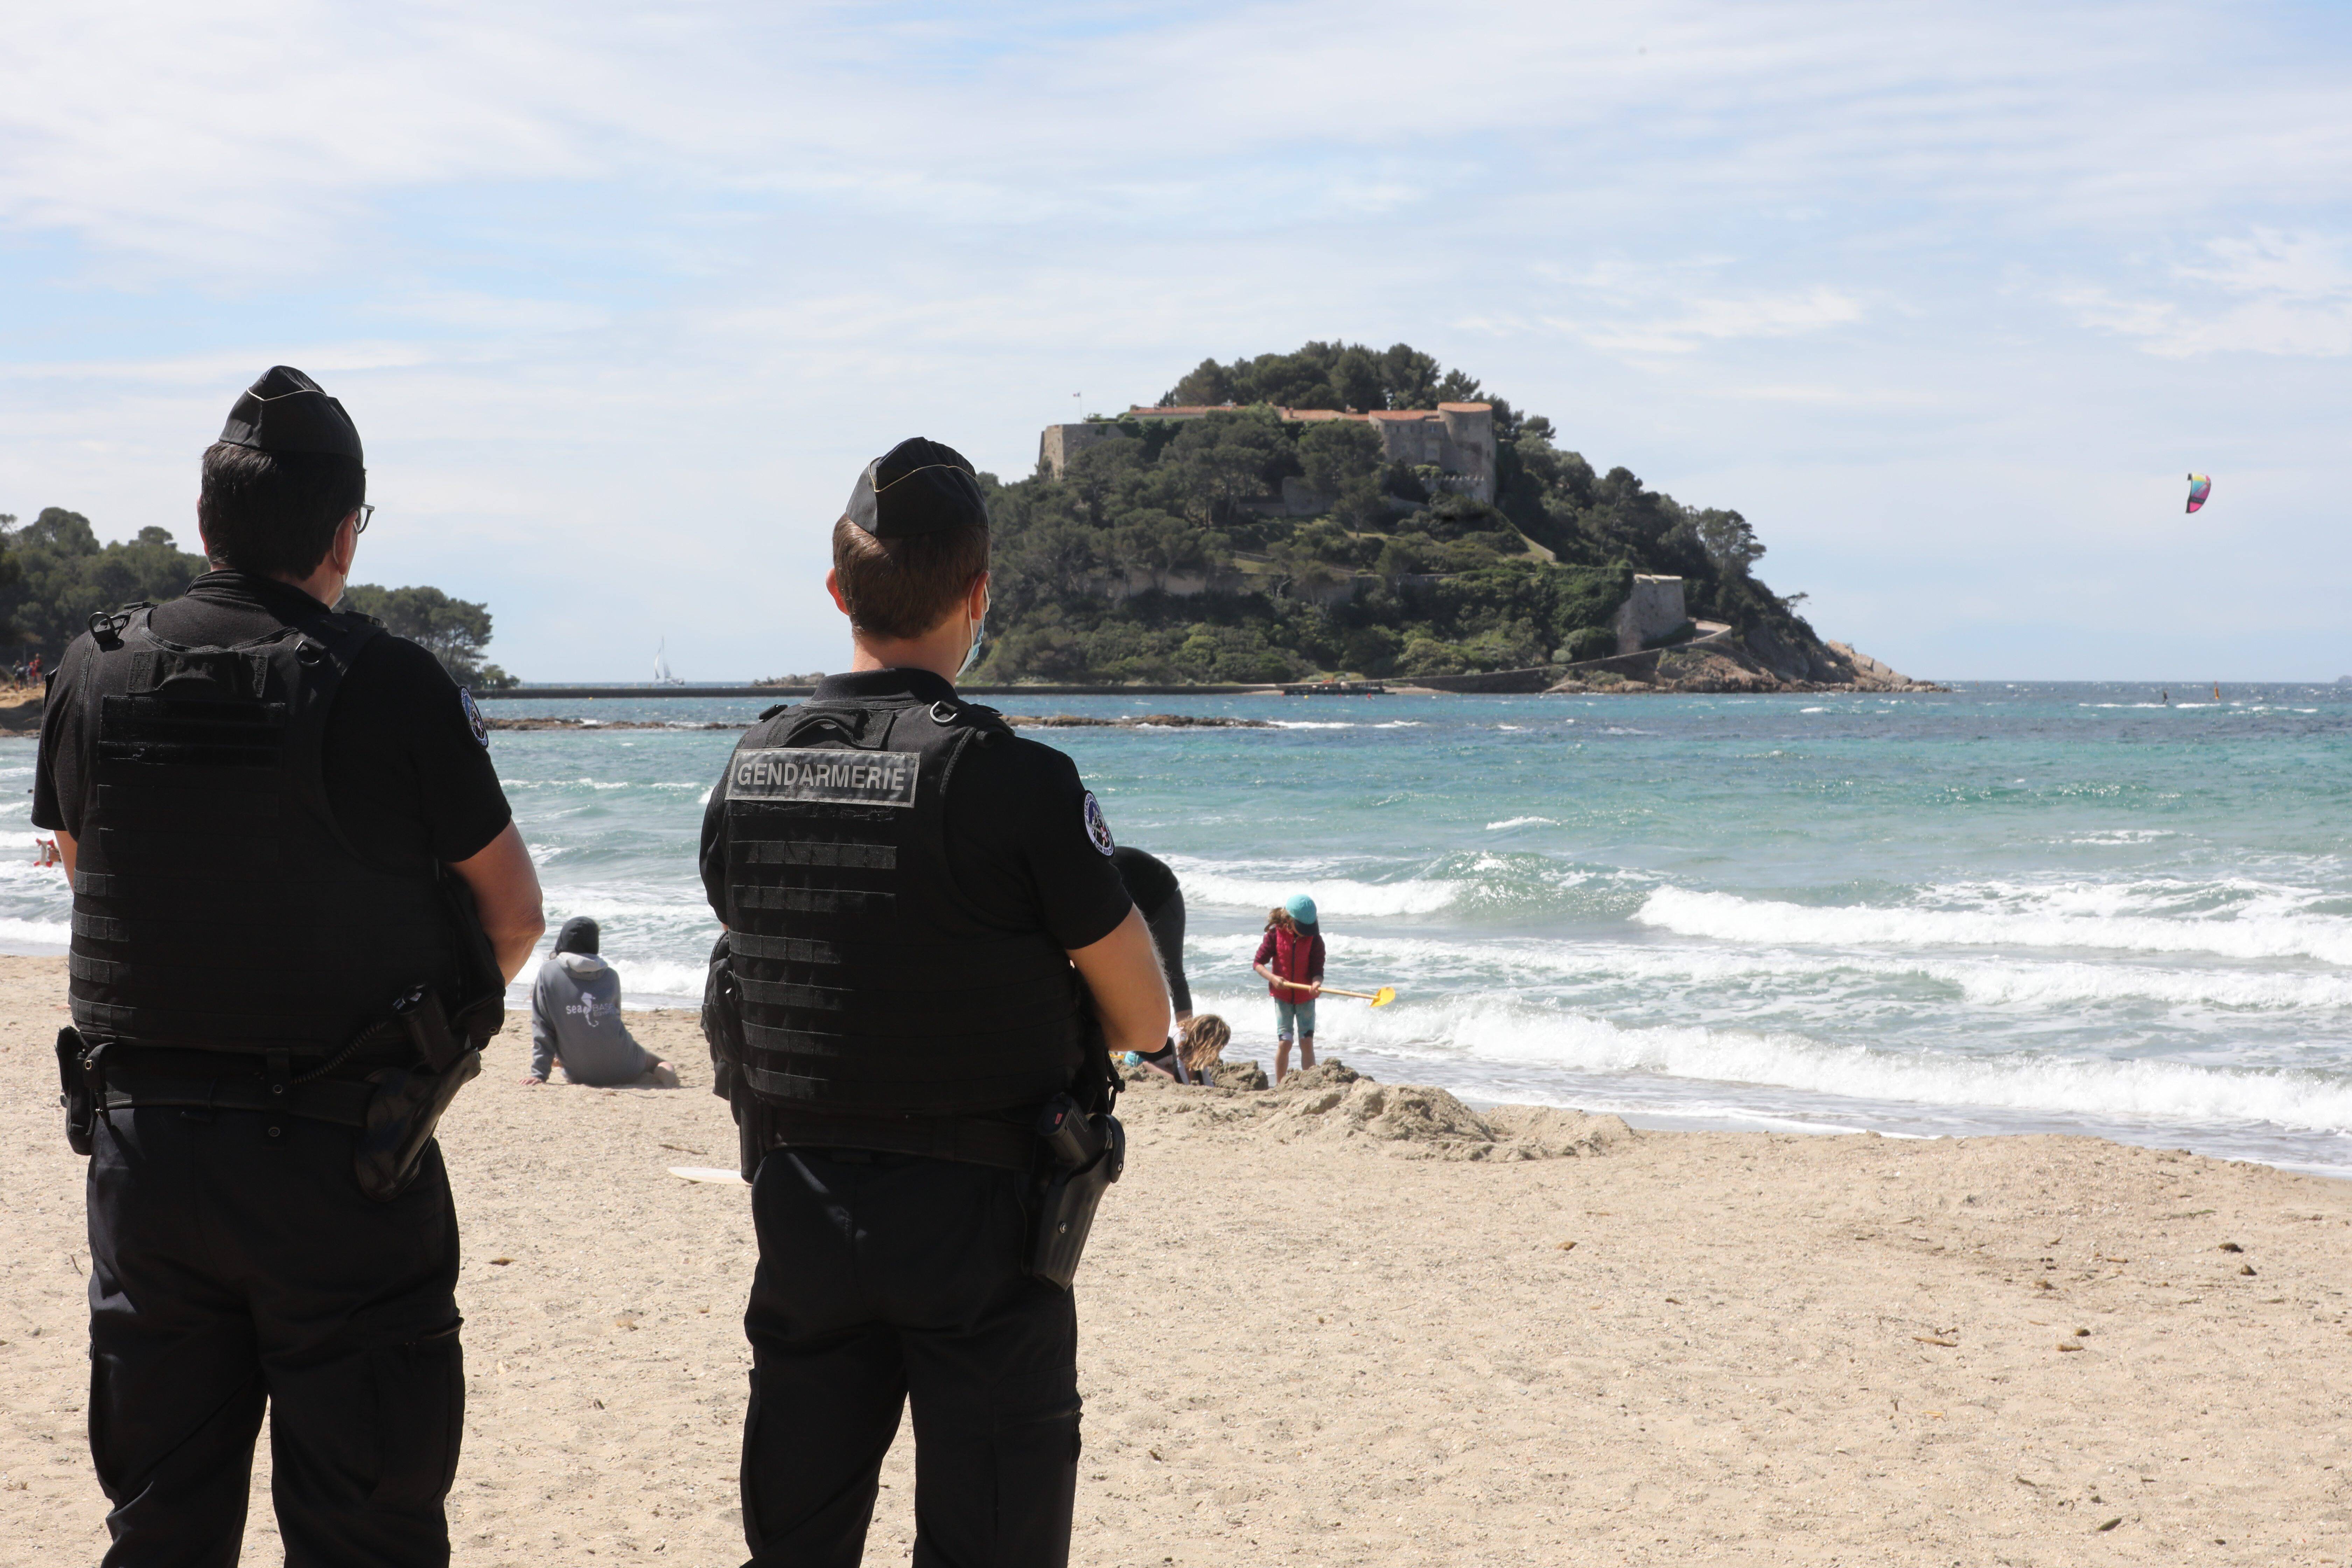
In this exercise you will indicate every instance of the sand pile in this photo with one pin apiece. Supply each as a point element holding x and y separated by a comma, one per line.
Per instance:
<point>1331,1101</point>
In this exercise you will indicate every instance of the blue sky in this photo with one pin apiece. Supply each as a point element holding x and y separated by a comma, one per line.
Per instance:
<point>1946,300</point>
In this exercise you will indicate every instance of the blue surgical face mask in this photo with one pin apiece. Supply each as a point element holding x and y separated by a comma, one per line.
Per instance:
<point>971,655</point>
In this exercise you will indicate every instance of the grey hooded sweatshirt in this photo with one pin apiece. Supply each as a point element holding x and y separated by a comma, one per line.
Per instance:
<point>575,1018</point>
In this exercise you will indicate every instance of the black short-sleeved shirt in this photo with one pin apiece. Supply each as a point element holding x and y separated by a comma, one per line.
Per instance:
<point>408,780</point>
<point>1018,845</point>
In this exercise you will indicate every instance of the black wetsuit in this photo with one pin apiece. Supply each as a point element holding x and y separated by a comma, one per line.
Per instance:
<point>1160,899</point>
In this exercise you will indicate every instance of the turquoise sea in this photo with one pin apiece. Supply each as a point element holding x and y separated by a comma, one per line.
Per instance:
<point>2070,908</point>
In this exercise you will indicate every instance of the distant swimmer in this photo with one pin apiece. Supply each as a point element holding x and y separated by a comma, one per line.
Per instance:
<point>2167,699</point>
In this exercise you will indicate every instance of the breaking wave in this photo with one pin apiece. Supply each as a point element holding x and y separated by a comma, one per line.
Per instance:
<point>1503,1033</point>
<point>2243,935</point>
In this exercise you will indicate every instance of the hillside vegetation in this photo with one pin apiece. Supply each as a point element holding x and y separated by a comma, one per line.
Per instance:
<point>1443,584</point>
<point>54,575</point>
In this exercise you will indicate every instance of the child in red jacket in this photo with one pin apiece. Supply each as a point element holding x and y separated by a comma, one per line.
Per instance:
<point>1290,957</point>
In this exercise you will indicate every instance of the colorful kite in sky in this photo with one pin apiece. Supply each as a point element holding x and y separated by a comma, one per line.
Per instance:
<point>2200,486</point>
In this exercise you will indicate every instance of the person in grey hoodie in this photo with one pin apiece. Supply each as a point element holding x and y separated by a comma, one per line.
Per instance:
<point>575,1018</point>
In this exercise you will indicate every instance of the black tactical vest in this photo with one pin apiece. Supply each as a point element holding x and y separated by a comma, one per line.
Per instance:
<point>869,984</point>
<point>217,903</point>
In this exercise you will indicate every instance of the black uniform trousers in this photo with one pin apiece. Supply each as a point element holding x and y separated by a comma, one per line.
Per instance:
<point>228,1269</point>
<point>886,1277</point>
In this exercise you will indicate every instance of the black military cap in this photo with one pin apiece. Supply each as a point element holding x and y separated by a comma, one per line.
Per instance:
<point>285,412</point>
<point>917,486</point>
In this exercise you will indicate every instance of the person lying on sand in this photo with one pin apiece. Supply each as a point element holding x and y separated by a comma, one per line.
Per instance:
<point>575,1018</point>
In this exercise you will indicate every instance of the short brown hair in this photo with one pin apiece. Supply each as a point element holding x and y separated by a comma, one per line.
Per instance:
<point>268,513</point>
<point>904,587</point>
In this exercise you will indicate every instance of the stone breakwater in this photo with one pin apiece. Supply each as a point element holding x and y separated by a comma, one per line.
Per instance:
<point>1019,721</point>
<point>1147,722</point>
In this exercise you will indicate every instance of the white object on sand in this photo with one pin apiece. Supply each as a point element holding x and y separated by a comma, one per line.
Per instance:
<point>733,1178</point>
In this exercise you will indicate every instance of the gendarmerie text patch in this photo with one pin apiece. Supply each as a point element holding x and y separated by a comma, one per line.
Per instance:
<point>842,778</point>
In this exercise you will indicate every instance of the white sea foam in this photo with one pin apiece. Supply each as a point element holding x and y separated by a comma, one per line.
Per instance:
<point>38,936</point>
<point>1333,896</point>
<point>1312,724</point>
<point>2243,935</point>
<point>658,982</point>
<point>2151,1090</point>
<point>1530,968</point>
<point>1522,822</point>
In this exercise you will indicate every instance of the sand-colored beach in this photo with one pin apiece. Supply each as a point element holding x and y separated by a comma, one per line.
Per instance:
<point>1307,1340</point>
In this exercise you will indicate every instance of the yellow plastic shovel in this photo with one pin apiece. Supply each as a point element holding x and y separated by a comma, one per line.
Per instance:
<point>1380,998</point>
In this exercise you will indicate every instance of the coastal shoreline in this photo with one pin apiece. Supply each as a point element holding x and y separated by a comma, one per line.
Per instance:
<point>1304,1338</point>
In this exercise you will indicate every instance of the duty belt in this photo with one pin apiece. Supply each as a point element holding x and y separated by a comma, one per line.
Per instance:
<point>967,1139</point>
<point>143,1080</point>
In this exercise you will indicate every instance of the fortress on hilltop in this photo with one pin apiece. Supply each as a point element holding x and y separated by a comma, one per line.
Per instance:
<point>1345,513</point>
<point>1456,438</point>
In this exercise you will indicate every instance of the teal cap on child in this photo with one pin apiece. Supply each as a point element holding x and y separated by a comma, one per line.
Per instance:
<point>1301,908</point>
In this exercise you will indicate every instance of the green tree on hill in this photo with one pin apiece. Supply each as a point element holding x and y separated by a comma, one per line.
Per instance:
<point>454,631</point>
<point>62,576</point>
<point>54,575</point>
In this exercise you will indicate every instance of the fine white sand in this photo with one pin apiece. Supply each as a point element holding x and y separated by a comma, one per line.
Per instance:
<point>1306,1339</point>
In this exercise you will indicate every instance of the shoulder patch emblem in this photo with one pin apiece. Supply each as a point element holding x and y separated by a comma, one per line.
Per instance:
<point>1097,830</point>
<point>474,717</point>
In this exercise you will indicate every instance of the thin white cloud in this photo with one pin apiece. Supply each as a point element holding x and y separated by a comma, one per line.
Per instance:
<point>2278,294</point>
<point>220,140</point>
<point>1697,321</point>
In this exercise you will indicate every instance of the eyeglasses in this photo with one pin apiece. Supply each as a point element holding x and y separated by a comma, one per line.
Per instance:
<point>365,513</point>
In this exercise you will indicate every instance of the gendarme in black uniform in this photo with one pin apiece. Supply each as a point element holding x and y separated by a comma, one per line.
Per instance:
<point>902,878</point>
<point>262,793</point>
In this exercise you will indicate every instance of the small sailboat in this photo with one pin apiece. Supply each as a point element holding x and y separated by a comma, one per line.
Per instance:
<point>662,676</point>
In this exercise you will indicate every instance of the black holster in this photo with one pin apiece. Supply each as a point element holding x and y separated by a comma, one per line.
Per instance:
<point>722,1028</point>
<point>1087,1152</point>
<point>404,1104</point>
<point>404,1108</point>
<point>77,1092</point>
